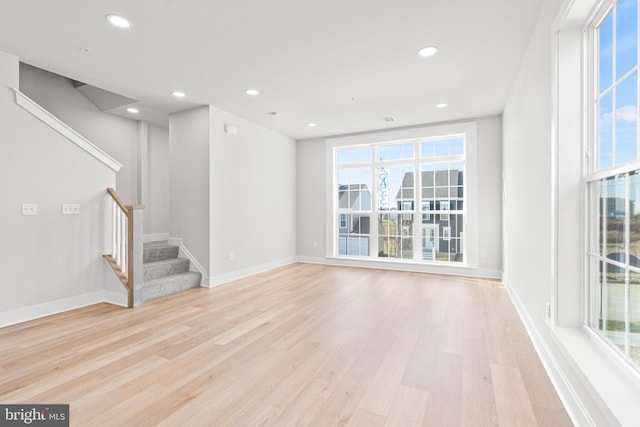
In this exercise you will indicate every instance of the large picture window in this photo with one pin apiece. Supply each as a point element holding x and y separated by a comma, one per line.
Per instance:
<point>614,182</point>
<point>401,200</point>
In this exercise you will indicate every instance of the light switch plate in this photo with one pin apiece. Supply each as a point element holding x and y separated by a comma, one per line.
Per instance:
<point>70,209</point>
<point>29,209</point>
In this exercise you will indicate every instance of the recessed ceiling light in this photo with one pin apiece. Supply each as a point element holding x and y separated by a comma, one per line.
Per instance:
<point>178,94</point>
<point>388,119</point>
<point>443,105</point>
<point>427,51</point>
<point>312,125</point>
<point>84,50</point>
<point>252,92</point>
<point>118,21</point>
<point>272,113</point>
<point>133,110</point>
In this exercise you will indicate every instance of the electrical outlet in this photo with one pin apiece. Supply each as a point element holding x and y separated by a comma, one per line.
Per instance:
<point>29,209</point>
<point>548,310</point>
<point>70,209</point>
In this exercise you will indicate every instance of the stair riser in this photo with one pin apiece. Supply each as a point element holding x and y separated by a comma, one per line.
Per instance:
<point>161,253</point>
<point>170,285</point>
<point>165,268</point>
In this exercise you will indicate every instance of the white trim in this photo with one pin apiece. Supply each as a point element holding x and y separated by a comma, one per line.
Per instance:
<point>155,237</point>
<point>442,269</point>
<point>570,399</point>
<point>46,117</point>
<point>221,279</point>
<point>587,376</point>
<point>175,241</point>
<point>25,314</point>
<point>116,298</point>
<point>194,265</point>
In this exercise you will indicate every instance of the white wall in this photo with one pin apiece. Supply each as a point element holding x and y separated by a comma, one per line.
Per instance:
<point>253,198</point>
<point>490,192</point>
<point>115,135</point>
<point>527,172</point>
<point>50,262</point>
<point>543,223</point>
<point>312,200</point>
<point>189,142</point>
<point>156,212</point>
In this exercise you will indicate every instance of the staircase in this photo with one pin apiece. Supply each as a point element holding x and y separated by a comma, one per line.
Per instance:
<point>165,273</point>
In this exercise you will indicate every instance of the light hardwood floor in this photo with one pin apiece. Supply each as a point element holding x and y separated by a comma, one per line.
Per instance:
<point>300,345</point>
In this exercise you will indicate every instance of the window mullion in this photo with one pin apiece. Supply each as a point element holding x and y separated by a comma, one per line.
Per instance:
<point>614,113</point>
<point>605,284</point>
<point>627,251</point>
<point>373,219</point>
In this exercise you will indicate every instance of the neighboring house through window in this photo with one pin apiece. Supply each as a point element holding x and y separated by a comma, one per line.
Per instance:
<point>401,200</point>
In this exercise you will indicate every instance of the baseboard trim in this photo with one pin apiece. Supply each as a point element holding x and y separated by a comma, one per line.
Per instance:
<point>566,392</point>
<point>416,268</point>
<point>221,279</point>
<point>155,237</point>
<point>116,298</point>
<point>32,312</point>
<point>195,264</point>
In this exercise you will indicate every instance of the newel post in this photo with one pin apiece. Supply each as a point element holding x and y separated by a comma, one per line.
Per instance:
<point>135,261</point>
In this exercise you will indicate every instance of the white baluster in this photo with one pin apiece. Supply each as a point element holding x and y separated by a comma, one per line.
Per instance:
<point>123,238</point>
<point>118,237</point>
<point>125,241</point>
<point>113,228</point>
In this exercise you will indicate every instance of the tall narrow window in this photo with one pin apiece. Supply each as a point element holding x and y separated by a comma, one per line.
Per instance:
<point>614,182</point>
<point>401,200</point>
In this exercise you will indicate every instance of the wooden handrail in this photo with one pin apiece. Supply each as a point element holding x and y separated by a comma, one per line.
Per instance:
<point>118,200</point>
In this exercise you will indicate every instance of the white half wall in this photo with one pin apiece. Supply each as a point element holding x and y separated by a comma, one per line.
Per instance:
<point>253,197</point>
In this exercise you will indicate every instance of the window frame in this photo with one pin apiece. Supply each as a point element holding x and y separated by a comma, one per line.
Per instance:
<point>470,244</point>
<point>594,177</point>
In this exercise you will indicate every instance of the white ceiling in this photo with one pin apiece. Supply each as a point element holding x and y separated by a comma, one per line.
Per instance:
<point>344,64</point>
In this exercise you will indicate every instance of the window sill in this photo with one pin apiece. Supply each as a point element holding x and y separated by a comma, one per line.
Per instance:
<point>459,269</point>
<point>403,261</point>
<point>613,385</point>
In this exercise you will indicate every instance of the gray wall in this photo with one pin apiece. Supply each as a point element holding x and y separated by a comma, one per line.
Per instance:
<point>115,135</point>
<point>48,257</point>
<point>156,212</point>
<point>189,142</point>
<point>253,197</point>
<point>312,201</point>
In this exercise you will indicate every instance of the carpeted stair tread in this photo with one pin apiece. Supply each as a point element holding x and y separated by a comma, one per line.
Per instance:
<point>168,285</point>
<point>156,269</point>
<point>152,252</point>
